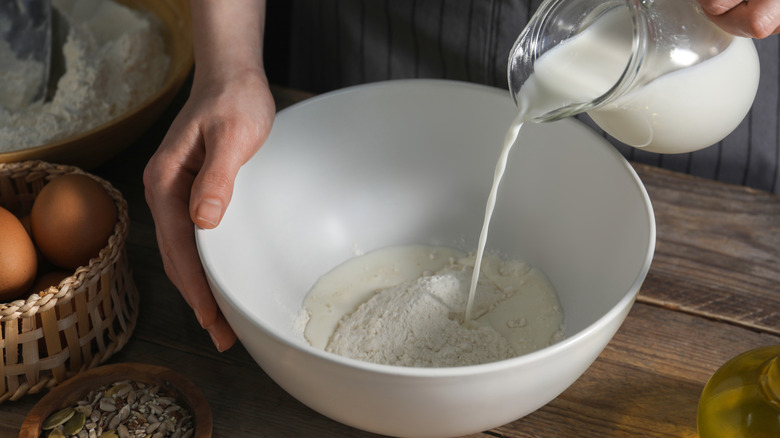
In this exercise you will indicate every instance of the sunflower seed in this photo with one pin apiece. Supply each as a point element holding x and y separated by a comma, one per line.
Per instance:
<point>122,431</point>
<point>157,409</point>
<point>165,401</point>
<point>131,397</point>
<point>123,390</point>
<point>107,405</point>
<point>116,388</point>
<point>153,427</point>
<point>114,422</point>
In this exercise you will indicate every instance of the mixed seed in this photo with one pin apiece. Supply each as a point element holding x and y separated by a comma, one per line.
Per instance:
<point>125,409</point>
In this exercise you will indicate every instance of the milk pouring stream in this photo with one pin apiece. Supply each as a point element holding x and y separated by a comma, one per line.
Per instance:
<point>654,74</point>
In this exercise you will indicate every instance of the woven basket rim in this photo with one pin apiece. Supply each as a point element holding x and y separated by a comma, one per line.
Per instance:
<point>68,287</point>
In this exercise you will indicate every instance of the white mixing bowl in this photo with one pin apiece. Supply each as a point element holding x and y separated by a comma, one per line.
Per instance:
<point>411,162</point>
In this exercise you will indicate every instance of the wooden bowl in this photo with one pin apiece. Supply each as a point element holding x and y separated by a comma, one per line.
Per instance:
<point>89,149</point>
<point>76,388</point>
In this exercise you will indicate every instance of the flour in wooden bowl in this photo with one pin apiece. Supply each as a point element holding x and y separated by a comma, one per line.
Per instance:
<point>114,59</point>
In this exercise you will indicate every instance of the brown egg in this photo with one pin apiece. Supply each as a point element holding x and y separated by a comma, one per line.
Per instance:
<point>25,220</point>
<point>18,262</point>
<point>43,264</point>
<point>51,278</point>
<point>72,218</point>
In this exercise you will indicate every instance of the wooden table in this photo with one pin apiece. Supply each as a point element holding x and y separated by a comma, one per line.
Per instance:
<point>713,291</point>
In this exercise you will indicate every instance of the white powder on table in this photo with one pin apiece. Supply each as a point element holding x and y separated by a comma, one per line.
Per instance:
<point>114,59</point>
<point>405,305</point>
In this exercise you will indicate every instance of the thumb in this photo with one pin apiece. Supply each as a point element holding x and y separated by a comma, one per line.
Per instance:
<point>212,188</point>
<point>211,193</point>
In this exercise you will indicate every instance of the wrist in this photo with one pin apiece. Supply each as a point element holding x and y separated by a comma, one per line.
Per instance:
<point>225,75</point>
<point>228,40</point>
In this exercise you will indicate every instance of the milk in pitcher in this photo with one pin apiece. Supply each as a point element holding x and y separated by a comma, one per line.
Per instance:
<point>680,111</point>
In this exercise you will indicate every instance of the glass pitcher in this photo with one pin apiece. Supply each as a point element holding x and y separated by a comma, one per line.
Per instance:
<point>654,74</point>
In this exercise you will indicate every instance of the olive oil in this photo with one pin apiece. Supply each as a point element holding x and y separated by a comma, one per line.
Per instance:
<point>742,398</point>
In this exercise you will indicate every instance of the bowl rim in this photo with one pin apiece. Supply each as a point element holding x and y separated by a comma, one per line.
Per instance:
<point>459,371</point>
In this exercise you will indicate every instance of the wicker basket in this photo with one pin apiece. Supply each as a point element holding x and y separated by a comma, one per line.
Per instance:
<point>54,334</point>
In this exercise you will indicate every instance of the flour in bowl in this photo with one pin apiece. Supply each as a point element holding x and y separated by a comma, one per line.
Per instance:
<point>114,60</point>
<point>405,306</point>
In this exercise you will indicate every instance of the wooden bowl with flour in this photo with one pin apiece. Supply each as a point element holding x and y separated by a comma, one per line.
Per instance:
<point>96,144</point>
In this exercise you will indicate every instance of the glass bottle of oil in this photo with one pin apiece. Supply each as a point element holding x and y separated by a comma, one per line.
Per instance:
<point>742,398</point>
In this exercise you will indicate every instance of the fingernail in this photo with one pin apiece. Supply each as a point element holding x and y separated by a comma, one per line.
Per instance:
<point>209,211</point>
<point>198,316</point>
<point>214,338</point>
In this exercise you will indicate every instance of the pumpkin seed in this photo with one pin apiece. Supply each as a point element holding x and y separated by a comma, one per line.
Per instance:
<point>117,388</point>
<point>74,424</point>
<point>56,433</point>
<point>58,418</point>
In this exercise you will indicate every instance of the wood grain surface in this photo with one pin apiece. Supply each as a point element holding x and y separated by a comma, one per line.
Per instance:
<point>712,292</point>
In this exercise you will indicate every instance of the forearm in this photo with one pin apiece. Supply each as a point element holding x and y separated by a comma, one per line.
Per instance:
<point>228,39</point>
